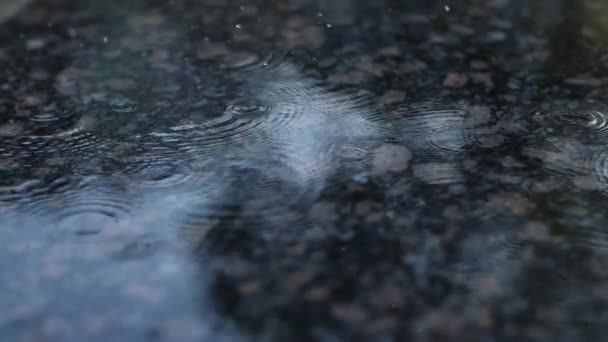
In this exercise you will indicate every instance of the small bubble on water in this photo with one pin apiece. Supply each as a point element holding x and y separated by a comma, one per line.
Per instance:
<point>242,8</point>
<point>447,8</point>
<point>328,25</point>
<point>105,39</point>
<point>238,26</point>
<point>319,14</point>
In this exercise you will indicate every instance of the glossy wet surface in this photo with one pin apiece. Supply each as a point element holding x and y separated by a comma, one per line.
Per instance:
<point>344,170</point>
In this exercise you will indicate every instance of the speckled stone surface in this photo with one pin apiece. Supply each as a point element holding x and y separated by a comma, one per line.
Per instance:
<point>208,170</point>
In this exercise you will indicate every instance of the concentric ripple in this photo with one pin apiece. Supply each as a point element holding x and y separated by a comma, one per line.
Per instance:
<point>250,198</point>
<point>66,199</point>
<point>84,152</point>
<point>600,167</point>
<point>281,116</point>
<point>258,145</point>
<point>214,138</point>
<point>312,130</point>
<point>567,137</point>
<point>434,129</point>
<point>583,120</point>
<point>274,146</point>
<point>163,171</point>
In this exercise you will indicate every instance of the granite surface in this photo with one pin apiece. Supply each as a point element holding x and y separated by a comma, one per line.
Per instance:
<point>208,170</point>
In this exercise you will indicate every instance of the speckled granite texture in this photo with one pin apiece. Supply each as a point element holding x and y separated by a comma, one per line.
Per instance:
<point>207,170</point>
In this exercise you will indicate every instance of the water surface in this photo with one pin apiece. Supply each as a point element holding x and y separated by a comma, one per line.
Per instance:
<point>303,170</point>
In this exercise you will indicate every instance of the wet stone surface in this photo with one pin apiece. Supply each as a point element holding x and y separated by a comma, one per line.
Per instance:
<point>303,170</point>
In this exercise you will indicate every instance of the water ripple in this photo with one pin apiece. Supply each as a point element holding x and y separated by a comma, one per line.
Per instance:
<point>434,129</point>
<point>162,171</point>
<point>600,167</point>
<point>274,146</point>
<point>562,157</point>
<point>66,198</point>
<point>567,137</point>
<point>439,173</point>
<point>583,120</point>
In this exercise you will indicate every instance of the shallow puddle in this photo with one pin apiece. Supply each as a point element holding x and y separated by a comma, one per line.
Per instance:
<point>210,170</point>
